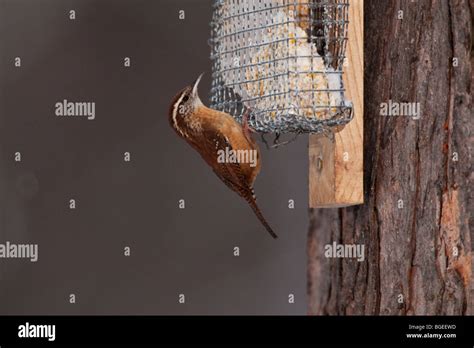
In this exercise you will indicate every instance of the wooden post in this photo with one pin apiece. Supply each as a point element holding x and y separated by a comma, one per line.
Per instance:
<point>416,220</point>
<point>336,167</point>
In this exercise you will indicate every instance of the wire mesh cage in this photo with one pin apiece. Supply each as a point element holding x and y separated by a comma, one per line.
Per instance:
<point>280,61</point>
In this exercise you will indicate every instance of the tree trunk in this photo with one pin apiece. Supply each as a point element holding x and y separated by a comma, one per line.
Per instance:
<point>414,224</point>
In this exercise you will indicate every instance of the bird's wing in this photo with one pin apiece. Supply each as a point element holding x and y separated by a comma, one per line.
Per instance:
<point>230,173</point>
<point>209,146</point>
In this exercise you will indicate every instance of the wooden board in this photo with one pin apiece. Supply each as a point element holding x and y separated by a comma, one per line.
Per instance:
<point>336,167</point>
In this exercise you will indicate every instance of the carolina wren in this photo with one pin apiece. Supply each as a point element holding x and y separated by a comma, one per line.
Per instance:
<point>212,133</point>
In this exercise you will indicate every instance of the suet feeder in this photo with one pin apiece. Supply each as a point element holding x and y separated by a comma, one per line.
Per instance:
<point>283,62</point>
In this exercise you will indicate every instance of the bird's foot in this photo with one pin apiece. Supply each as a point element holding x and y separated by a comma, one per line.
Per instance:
<point>246,127</point>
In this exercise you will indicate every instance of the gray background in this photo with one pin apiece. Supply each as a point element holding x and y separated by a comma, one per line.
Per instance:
<point>132,204</point>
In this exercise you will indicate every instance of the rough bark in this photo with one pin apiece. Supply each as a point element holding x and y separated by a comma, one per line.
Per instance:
<point>409,251</point>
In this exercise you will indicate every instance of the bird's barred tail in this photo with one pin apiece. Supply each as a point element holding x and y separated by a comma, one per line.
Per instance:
<point>253,204</point>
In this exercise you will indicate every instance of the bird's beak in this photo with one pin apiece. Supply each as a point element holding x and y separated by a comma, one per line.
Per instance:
<point>196,83</point>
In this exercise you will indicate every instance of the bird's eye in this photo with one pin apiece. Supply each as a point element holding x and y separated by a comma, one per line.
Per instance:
<point>185,98</point>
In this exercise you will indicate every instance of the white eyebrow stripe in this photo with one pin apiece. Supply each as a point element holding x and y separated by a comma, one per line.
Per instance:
<point>175,111</point>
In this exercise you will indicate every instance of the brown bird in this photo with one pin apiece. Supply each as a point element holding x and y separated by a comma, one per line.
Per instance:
<point>215,134</point>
